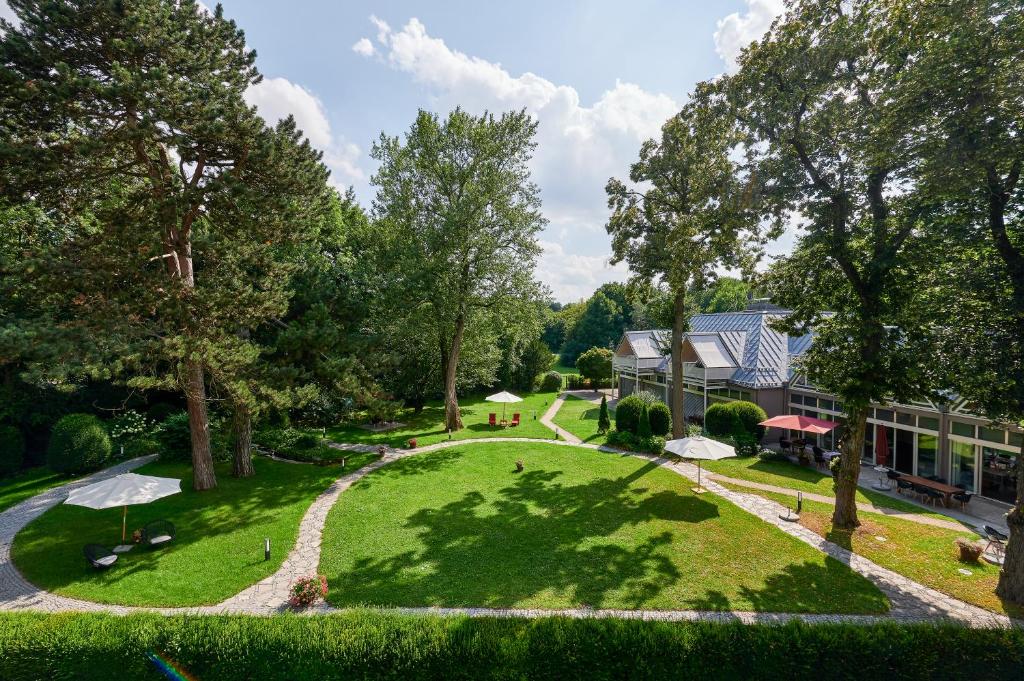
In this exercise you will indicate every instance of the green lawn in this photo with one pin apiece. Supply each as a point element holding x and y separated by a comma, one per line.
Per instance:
<point>428,426</point>
<point>563,369</point>
<point>803,479</point>
<point>27,484</point>
<point>579,417</point>
<point>459,527</point>
<point>218,550</point>
<point>923,553</point>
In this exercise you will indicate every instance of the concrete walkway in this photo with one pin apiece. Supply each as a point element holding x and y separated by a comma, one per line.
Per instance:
<point>909,600</point>
<point>548,420</point>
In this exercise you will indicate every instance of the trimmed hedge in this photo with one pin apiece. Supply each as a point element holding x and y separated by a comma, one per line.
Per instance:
<point>371,645</point>
<point>661,418</point>
<point>79,443</point>
<point>551,382</point>
<point>12,450</point>
<point>731,419</point>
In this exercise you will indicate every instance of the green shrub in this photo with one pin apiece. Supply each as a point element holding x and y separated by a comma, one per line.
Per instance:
<point>78,444</point>
<point>604,422</point>
<point>720,420</point>
<point>772,455</point>
<point>141,446</point>
<point>12,450</point>
<point>159,412</point>
<point>661,418</point>
<point>292,443</point>
<point>627,413</point>
<point>749,416</point>
<point>372,645</point>
<point>643,423</point>
<point>175,437</point>
<point>551,382</point>
<point>623,439</point>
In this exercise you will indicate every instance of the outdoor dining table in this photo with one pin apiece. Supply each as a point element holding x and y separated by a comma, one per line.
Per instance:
<point>943,488</point>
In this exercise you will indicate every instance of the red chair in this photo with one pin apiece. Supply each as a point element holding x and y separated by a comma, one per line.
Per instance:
<point>492,419</point>
<point>515,419</point>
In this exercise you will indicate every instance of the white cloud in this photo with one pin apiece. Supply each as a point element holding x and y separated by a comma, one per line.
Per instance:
<point>364,47</point>
<point>736,31</point>
<point>579,147</point>
<point>276,98</point>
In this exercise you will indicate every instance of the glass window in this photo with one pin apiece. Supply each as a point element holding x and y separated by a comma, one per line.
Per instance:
<point>1016,439</point>
<point>998,474</point>
<point>826,404</point>
<point>838,406</point>
<point>883,414</point>
<point>962,455</point>
<point>905,418</point>
<point>927,454</point>
<point>928,422</point>
<point>992,434</point>
<point>962,429</point>
<point>868,454</point>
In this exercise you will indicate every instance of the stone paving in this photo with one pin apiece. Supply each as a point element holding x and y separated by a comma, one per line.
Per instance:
<point>548,420</point>
<point>909,600</point>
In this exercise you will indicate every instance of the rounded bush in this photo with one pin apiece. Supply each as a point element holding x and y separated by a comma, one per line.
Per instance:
<point>12,450</point>
<point>661,418</point>
<point>78,444</point>
<point>627,413</point>
<point>749,416</point>
<point>720,420</point>
<point>551,382</point>
<point>643,424</point>
<point>175,438</point>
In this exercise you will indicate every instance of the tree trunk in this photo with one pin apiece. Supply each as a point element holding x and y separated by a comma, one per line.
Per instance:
<point>844,517</point>
<point>453,419</point>
<point>1011,577</point>
<point>203,475</point>
<point>678,328</point>
<point>241,466</point>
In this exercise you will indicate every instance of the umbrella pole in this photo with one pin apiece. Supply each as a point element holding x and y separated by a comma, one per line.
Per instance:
<point>124,524</point>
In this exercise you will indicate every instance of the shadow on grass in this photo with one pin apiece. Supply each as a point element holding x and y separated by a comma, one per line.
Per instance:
<point>538,536</point>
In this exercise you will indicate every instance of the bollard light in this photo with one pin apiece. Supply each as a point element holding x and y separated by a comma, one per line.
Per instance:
<point>266,548</point>
<point>799,502</point>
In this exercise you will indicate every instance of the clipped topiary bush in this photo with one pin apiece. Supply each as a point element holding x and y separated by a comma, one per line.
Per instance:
<point>643,424</point>
<point>12,450</point>
<point>551,382</point>
<point>627,413</point>
<point>749,416</point>
<point>720,420</point>
<point>661,418</point>
<point>78,444</point>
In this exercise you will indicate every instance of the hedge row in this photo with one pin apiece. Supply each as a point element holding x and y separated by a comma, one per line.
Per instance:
<point>369,645</point>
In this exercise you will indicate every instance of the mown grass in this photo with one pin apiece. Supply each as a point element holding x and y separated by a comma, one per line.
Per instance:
<point>924,553</point>
<point>579,417</point>
<point>218,550</point>
<point>428,426</point>
<point>576,528</point>
<point>803,479</point>
<point>563,369</point>
<point>26,485</point>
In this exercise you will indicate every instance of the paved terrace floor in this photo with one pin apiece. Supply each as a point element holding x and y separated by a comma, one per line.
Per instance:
<point>909,600</point>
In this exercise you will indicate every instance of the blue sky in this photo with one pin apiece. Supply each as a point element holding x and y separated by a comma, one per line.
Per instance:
<point>600,77</point>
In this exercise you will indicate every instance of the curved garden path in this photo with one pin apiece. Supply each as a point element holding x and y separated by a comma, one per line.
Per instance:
<point>909,600</point>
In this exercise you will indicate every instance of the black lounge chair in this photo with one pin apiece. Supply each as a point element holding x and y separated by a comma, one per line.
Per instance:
<point>158,533</point>
<point>963,497</point>
<point>934,495</point>
<point>100,557</point>
<point>995,538</point>
<point>904,485</point>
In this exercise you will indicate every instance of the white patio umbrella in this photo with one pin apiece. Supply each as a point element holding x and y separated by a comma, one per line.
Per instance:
<point>700,448</point>
<point>124,490</point>
<point>505,398</point>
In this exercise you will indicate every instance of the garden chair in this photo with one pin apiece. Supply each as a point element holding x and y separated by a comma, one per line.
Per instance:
<point>995,539</point>
<point>515,419</point>
<point>819,456</point>
<point>158,533</point>
<point>100,557</point>
<point>904,485</point>
<point>934,496</point>
<point>492,420</point>
<point>785,445</point>
<point>964,498</point>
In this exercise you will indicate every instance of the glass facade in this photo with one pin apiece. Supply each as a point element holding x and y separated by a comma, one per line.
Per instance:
<point>962,455</point>
<point>927,454</point>
<point>998,474</point>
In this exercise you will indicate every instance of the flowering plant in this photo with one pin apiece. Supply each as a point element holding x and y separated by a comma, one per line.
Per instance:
<point>128,426</point>
<point>307,591</point>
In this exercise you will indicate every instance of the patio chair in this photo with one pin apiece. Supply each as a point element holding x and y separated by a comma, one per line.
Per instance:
<point>492,419</point>
<point>902,485</point>
<point>934,495</point>
<point>920,490</point>
<point>964,498</point>
<point>785,444</point>
<point>158,533</point>
<point>515,419</point>
<point>100,557</point>
<point>819,456</point>
<point>995,539</point>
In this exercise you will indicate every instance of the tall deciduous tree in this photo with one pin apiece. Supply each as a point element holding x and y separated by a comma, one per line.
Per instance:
<point>967,66</point>
<point>687,212</point>
<point>126,121</point>
<point>819,94</point>
<point>463,214</point>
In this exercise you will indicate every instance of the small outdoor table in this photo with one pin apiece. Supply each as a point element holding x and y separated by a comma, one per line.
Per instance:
<point>883,484</point>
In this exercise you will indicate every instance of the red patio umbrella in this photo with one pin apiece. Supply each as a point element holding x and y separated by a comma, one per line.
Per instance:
<point>882,448</point>
<point>804,423</point>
